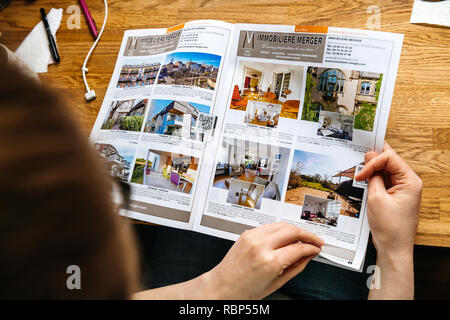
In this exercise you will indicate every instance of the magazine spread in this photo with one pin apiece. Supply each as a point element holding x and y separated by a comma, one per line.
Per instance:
<point>222,127</point>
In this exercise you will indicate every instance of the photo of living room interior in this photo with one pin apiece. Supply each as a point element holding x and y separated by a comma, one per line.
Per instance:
<point>254,163</point>
<point>245,193</point>
<point>320,210</point>
<point>268,83</point>
<point>335,125</point>
<point>165,170</point>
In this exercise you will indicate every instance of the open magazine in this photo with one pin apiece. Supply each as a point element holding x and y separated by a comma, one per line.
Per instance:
<point>222,127</point>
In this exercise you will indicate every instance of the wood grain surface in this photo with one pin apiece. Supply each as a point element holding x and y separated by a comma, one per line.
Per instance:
<point>419,123</point>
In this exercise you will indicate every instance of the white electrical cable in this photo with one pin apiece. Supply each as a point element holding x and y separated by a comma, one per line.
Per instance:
<point>90,94</point>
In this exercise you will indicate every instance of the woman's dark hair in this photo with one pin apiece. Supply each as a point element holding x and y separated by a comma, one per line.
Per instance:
<point>55,206</point>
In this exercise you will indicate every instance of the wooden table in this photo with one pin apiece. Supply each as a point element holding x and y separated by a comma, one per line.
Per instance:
<point>419,123</point>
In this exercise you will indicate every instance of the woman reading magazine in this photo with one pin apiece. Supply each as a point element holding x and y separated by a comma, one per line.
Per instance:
<point>57,212</point>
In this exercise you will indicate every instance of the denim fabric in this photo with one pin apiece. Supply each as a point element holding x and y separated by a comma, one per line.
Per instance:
<point>171,256</point>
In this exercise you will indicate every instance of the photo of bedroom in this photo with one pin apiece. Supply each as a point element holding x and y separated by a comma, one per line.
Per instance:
<point>165,170</point>
<point>335,125</point>
<point>269,84</point>
<point>254,163</point>
<point>245,193</point>
<point>326,177</point>
<point>349,92</point>
<point>320,210</point>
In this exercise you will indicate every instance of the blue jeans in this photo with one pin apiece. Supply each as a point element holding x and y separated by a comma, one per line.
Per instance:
<point>170,256</point>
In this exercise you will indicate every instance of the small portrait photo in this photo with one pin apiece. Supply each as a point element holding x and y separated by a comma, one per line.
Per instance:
<point>320,210</point>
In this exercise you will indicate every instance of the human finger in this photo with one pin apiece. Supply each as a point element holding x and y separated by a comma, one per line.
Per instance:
<point>291,234</point>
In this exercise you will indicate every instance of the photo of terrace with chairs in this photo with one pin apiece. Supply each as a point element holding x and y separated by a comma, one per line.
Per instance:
<point>137,73</point>
<point>269,84</point>
<point>190,69</point>
<point>125,115</point>
<point>117,159</point>
<point>253,163</point>
<point>326,177</point>
<point>320,210</point>
<point>165,170</point>
<point>348,92</point>
<point>175,118</point>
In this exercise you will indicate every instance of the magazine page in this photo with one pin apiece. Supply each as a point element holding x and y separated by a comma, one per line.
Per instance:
<point>158,113</point>
<point>305,105</point>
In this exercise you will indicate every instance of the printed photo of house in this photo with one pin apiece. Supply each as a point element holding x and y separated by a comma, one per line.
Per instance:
<point>327,177</point>
<point>320,210</point>
<point>193,69</point>
<point>165,170</point>
<point>117,159</point>
<point>137,73</point>
<point>269,83</point>
<point>125,115</point>
<point>254,163</point>
<point>335,125</point>
<point>349,92</point>
<point>175,118</point>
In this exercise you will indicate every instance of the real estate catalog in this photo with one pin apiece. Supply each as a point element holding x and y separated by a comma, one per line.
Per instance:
<point>220,128</point>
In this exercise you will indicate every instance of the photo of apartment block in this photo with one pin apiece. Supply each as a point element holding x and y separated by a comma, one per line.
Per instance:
<point>165,170</point>
<point>273,84</point>
<point>190,69</point>
<point>335,125</point>
<point>348,92</point>
<point>326,177</point>
<point>117,159</point>
<point>175,118</point>
<point>138,73</point>
<point>125,115</point>
<point>319,210</point>
<point>254,163</point>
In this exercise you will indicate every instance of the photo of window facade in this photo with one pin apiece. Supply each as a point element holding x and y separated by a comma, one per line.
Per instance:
<point>326,177</point>
<point>190,69</point>
<point>273,84</point>
<point>137,74</point>
<point>125,115</point>
<point>349,92</point>
<point>165,170</point>
<point>175,118</point>
<point>117,159</point>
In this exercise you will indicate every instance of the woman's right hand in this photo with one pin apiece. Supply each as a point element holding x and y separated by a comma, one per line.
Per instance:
<point>393,201</point>
<point>262,260</point>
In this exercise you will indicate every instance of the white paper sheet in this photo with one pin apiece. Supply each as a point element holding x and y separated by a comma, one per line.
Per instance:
<point>34,50</point>
<point>431,12</point>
